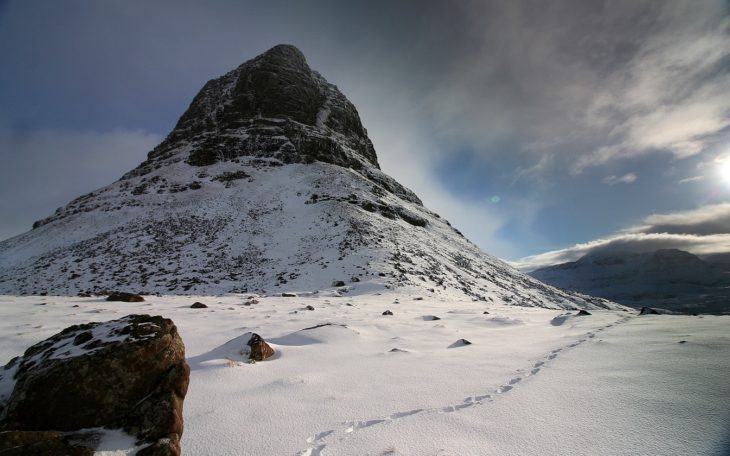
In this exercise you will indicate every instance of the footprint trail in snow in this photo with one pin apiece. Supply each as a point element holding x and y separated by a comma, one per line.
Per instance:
<point>318,442</point>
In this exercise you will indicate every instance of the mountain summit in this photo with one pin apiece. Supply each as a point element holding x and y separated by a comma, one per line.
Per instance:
<point>288,111</point>
<point>267,183</point>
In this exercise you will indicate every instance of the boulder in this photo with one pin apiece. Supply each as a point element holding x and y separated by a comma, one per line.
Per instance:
<point>387,312</point>
<point>124,297</point>
<point>582,313</point>
<point>44,443</point>
<point>198,305</point>
<point>288,295</point>
<point>309,308</point>
<point>338,283</point>
<point>127,374</point>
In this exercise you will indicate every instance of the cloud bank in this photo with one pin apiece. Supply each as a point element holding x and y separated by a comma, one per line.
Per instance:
<point>702,231</point>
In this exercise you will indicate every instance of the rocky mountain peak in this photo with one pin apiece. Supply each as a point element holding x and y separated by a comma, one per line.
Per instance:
<point>273,107</point>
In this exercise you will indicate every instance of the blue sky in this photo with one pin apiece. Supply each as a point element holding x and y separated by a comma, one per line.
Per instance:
<point>543,130</point>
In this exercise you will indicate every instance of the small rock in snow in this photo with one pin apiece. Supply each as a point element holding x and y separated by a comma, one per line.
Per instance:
<point>124,297</point>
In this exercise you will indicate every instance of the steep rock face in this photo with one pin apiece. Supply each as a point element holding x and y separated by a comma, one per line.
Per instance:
<point>268,183</point>
<point>128,374</point>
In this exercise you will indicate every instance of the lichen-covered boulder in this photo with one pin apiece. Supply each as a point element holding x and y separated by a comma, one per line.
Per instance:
<point>128,374</point>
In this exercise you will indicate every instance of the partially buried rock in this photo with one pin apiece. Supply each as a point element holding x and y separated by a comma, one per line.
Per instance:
<point>124,297</point>
<point>198,305</point>
<point>338,283</point>
<point>387,312</point>
<point>648,311</point>
<point>582,313</point>
<point>309,308</point>
<point>260,350</point>
<point>288,295</point>
<point>460,343</point>
<point>127,374</point>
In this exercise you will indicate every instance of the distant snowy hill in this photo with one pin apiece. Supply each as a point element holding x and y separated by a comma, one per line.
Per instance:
<point>668,278</point>
<point>268,183</point>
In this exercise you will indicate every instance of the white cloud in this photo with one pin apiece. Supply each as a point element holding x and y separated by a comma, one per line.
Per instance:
<point>687,180</point>
<point>625,179</point>
<point>701,231</point>
<point>45,169</point>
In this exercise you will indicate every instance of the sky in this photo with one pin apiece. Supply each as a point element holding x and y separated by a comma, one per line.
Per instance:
<point>542,130</point>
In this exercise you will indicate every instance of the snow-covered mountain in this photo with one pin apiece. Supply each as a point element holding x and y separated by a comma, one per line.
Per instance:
<point>668,278</point>
<point>268,183</point>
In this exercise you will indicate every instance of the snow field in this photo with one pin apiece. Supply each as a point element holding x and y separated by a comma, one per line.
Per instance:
<point>608,383</point>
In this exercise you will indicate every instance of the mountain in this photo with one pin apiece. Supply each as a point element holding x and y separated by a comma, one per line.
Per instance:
<point>668,278</point>
<point>267,183</point>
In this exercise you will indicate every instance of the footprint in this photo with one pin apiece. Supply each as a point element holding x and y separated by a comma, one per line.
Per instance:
<point>539,363</point>
<point>504,388</point>
<point>483,397</point>
<point>463,406</point>
<point>553,356</point>
<point>535,371</point>
<point>354,425</point>
<point>316,451</point>
<point>319,436</point>
<point>395,416</point>
<point>515,380</point>
<point>591,336</point>
<point>557,350</point>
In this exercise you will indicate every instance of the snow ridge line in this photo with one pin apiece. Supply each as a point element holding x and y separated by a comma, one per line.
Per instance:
<point>318,442</point>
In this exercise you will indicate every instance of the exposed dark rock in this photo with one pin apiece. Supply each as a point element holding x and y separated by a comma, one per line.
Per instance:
<point>338,283</point>
<point>354,279</point>
<point>198,305</point>
<point>387,312</point>
<point>485,313</point>
<point>131,374</point>
<point>322,325</point>
<point>431,318</point>
<point>460,343</point>
<point>582,313</point>
<point>309,308</point>
<point>124,297</point>
<point>288,295</point>
<point>46,443</point>
<point>418,298</point>
<point>648,311</point>
<point>260,350</point>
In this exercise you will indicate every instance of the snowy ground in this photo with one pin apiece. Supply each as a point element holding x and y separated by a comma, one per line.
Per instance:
<point>533,381</point>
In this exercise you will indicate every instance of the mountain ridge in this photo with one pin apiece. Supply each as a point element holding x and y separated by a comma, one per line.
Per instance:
<point>667,278</point>
<point>267,183</point>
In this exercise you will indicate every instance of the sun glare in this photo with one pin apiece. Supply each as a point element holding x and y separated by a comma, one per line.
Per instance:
<point>723,169</point>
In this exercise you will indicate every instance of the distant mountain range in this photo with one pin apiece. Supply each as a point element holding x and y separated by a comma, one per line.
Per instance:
<point>668,278</point>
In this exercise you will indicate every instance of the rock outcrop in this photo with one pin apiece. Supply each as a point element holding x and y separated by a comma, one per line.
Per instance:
<point>127,374</point>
